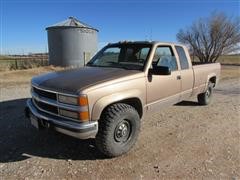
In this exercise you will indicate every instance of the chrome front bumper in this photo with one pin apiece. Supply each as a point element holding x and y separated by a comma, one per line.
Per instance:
<point>65,126</point>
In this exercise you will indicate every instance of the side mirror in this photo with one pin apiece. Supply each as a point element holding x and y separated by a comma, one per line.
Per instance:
<point>160,70</point>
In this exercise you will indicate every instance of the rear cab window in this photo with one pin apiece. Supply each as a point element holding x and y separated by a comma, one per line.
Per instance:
<point>182,57</point>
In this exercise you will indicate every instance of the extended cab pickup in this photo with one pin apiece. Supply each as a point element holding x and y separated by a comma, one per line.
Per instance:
<point>123,82</point>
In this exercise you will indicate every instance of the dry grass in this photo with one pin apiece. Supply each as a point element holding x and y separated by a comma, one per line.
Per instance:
<point>19,64</point>
<point>10,78</point>
<point>226,59</point>
<point>229,59</point>
<point>230,72</point>
<point>22,62</point>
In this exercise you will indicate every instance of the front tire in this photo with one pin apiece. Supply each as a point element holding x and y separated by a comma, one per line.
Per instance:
<point>119,127</point>
<point>205,98</point>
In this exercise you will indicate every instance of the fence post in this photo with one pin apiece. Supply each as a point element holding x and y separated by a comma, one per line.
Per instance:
<point>16,64</point>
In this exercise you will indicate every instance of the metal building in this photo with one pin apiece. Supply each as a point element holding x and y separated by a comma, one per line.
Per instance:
<point>71,42</point>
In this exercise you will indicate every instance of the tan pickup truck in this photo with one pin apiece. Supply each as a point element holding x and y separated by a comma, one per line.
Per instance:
<point>109,97</point>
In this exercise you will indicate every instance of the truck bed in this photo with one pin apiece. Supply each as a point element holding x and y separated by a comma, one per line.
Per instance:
<point>202,74</point>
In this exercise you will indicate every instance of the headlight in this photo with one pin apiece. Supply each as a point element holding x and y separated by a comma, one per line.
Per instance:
<point>81,100</point>
<point>77,101</point>
<point>68,99</point>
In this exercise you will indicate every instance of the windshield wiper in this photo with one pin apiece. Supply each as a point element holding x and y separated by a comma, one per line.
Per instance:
<point>124,67</point>
<point>93,65</point>
<point>120,67</point>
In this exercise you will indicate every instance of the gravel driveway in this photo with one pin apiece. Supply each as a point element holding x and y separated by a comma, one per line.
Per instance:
<point>183,141</point>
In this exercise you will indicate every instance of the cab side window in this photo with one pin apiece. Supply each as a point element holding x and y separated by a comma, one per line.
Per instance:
<point>164,57</point>
<point>182,57</point>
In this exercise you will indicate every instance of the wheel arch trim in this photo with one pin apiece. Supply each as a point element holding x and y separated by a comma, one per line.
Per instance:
<point>209,77</point>
<point>105,101</point>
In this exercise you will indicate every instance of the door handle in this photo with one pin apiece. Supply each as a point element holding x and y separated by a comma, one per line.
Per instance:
<point>178,77</point>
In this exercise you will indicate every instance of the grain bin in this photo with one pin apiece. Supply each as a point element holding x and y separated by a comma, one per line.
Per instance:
<point>71,42</point>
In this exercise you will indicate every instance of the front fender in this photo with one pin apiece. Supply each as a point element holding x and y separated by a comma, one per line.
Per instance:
<point>110,99</point>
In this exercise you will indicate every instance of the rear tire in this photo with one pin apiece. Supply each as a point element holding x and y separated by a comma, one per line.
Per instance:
<point>119,127</point>
<point>205,98</point>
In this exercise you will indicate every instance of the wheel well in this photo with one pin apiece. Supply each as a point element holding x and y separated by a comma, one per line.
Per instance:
<point>134,102</point>
<point>213,80</point>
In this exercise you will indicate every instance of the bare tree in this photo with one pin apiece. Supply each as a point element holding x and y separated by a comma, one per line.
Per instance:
<point>211,37</point>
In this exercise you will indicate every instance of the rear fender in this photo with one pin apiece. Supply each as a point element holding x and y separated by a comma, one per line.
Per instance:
<point>208,79</point>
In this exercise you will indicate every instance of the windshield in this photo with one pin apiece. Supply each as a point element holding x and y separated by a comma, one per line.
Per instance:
<point>127,56</point>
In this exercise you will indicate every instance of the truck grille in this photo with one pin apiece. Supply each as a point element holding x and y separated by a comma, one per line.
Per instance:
<point>45,94</point>
<point>47,102</point>
<point>42,105</point>
<point>46,107</point>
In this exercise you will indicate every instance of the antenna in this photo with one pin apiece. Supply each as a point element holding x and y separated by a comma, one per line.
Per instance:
<point>151,34</point>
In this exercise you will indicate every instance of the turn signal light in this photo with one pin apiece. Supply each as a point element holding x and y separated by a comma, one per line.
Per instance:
<point>83,101</point>
<point>84,116</point>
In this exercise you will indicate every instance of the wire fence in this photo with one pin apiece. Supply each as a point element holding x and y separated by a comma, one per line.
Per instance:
<point>15,64</point>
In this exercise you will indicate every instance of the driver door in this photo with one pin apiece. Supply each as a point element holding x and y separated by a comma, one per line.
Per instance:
<point>163,90</point>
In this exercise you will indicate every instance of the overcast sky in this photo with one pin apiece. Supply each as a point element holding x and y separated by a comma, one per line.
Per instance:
<point>23,23</point>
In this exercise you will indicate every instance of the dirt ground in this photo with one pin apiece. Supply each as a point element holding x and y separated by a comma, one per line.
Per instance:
<point>185,141</point>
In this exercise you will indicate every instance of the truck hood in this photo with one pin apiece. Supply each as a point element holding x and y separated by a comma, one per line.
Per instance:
<point>74,80</point>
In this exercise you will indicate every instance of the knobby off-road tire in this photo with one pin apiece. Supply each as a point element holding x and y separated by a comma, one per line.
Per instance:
<point>205,98</point>
<point>119,127</point>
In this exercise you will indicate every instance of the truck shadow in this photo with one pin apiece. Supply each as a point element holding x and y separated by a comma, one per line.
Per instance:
<point>19,140</point>
<point>187,103</point>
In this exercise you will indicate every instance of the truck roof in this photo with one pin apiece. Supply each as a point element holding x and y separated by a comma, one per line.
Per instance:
<point>146,42</point>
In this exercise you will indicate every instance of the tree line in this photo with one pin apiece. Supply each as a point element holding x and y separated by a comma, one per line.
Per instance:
<point>208,38</point>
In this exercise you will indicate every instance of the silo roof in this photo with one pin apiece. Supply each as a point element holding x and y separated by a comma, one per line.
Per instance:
<point>71,22</point>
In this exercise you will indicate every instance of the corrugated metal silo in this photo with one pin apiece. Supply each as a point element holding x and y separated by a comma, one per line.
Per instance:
<point>71,42</point>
